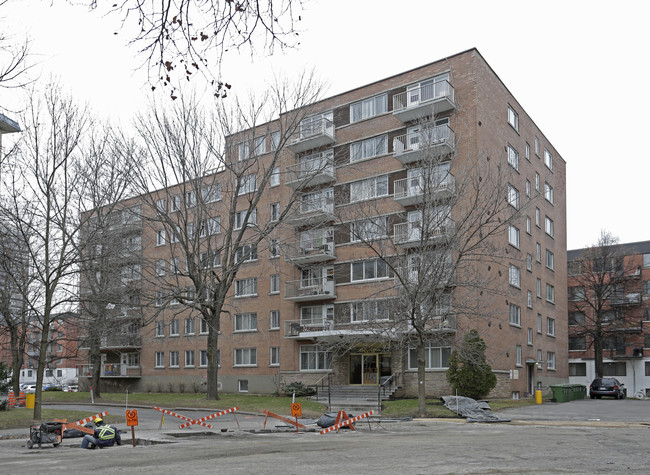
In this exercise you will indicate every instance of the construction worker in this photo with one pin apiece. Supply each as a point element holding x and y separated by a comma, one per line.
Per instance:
<point>104,436</point>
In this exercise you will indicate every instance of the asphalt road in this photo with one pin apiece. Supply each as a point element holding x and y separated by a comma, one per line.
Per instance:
<point>552,438</point>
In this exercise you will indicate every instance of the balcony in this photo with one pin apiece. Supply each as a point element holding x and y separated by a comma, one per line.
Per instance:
<point>315,210</point>
<point>111,370</point>
<point>310,251</point>
<point>429,143</point>
<point>310,289</point>
<point>410,234</point>
<point>121,341</point>
<point>306,328</point>
<point>411,191</point>
<point>431,275</point>
<point>622,299</point>
<point>315,171</point>
<point>314,134</point>
<point>427,100</point>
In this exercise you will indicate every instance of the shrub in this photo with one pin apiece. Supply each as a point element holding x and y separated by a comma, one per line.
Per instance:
<point>300,389</point>
<point>469,374</point>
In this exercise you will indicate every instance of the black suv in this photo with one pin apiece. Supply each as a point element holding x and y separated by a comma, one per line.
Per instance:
<point>600,387</point>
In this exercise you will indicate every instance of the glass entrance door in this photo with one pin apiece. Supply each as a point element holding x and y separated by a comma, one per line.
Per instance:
<point>367,369</point>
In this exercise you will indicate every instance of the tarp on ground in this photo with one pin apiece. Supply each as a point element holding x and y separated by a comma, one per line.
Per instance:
<point>472,410</point>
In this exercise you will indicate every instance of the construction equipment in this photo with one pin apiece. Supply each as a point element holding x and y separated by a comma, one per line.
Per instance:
<point>45,433</point>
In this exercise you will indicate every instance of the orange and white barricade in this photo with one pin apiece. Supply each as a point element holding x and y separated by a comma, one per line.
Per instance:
<point>346,421</point>
<point>180,416</point>
<point>79,425</point>
<point>211,416</point>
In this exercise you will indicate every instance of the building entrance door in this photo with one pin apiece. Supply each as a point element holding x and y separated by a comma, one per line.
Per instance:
<point>368,368</point>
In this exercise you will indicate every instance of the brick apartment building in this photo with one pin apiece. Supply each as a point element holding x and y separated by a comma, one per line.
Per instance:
<point>625,320</point>
<point>301,306</point>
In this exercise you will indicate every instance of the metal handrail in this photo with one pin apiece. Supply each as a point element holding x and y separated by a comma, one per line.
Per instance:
<point>321,383</point>
<point>382,387</point>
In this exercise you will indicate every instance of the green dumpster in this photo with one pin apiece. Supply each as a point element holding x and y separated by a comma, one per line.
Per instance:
<point>568,392</point>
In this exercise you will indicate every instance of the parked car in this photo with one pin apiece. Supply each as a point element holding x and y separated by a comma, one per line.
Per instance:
<point>30,388</point>
<point>600,387</point>
<point>71,389</point>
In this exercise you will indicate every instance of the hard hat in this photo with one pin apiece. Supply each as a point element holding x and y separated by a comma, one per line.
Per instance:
<point>99,420</point>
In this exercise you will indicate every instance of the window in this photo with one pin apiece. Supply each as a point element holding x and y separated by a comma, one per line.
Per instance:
<point>536,146</point>
<point>274,284</point>
<point>548,159</point>
<point>646,287</point>
<point>173,327</point>
<point>539,328</point>
<point>513,236</point>
<point>538,252</point>
<point>370,188</point>
<point>317,125</point>
<point>574,267</point>
<point>513,118</point>
<point>548,192</point>
<point>515,276</point>
<point>313,357</point>
<point>246,287</point>
<point>176,203</point>
<point>243,151</point>
<point>528,188</point>
<point>211,193</point>
<point>175,234</point>
<point>576,318</point>
<point>210,226</point>
<point>550,360</point>
<point>550,293</point>
<point>246,253</point>
<point>275,176</point>
<point>435,357</point>
<point>131,272</point>
<point>274,248</point>
<point>274,319</point>
<point>190,198</point>
<point>275,211</point>
<point>189,230</point>
<point>210,259</point>
<point>550,260</point>
<point>203,358</point>
<point>368,108</point>
<point>529,262</point>
<point>160,298</point>
<point>518,355</point>
<point>550,326</point>
<point>160,359</point>
<point>515,314</point>
<point>240,218</point>
<point>577,369</point>
<point>160,237</point>
<point>274,356</point>
<point>189,358</point>
<point>530,337</point>
<point>203,326</point>
<point>369,310</point>
<point>369,148</point>
<point>539,288</point>
<point>537,217</point>
<point>528,226</point>
<point>527,151</point>
<point>161,206</point>
<point>367,270</point>
<point>173,359</point>
<point>189,326</point>
<point>259,145</point>
<point>246,357</point>
<point>369,229</point>
<point>275,140</point>
<point>513,196</point>
<point>577,343</point>
<point>576,292</point>
<point>160,329</point>
<point>513,158</point>
<point>243,385</point>
<point>646,260</point>
<point>245,322</point>
<point>248,184</point>
<point>537,181</point>
<point>615,369</point>
<point>529,299</point>
<point>160,267</point>
<point>174,265</point>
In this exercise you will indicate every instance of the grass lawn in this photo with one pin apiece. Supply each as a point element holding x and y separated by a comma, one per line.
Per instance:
<point>435,408</point>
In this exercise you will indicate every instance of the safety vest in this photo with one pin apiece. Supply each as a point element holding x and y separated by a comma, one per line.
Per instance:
<point>106,433</point>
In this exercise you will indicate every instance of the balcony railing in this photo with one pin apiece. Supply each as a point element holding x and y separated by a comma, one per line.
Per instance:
<point>427,100</point>
<point>410,234</point>
<point>307,251</point>
<point>315,210</point>
<point>293,328</point>
<point>312,172</point>
<point>111,370</point>
<point>122,341</point>
<point>619,299</point>
<point>410,191</point>
<point>312,289</point>
<point>430,142</point>
<point>313,134</point>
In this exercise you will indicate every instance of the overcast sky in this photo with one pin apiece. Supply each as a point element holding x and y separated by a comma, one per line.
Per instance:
<point>579,68</point>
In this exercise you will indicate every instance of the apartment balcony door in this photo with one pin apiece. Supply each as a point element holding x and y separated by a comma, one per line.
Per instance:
<point>367,369</point>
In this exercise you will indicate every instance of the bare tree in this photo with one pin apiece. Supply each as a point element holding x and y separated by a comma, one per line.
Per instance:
<point>604,290</point>
<point>181,39</point>
<point>203,195</point>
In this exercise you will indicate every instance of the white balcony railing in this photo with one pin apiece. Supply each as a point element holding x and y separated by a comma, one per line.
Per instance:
<point>314,288</point>
<point>311,172</point>
<point>428,99</point>
<point>310,250</point>
<point>412,190</point>
<point>111,370</point>
<point>313,134</point>
<point>412,234</point>
<point>428,142</point>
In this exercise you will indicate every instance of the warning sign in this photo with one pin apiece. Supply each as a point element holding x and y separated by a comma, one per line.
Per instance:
<point>131,418</point>
<point>296,409</point>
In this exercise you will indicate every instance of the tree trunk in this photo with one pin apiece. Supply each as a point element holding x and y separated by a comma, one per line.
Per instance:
<point>17,357</point>
<point>96,364</point>
<point>598,356</point>
<point>213,362</point>
<point>42,362</point>
<point>422,389</point>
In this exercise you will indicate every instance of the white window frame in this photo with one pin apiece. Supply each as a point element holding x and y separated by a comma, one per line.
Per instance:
<point>549,226</point>
<point>274,356</point>
<point>513,196</point>
<point>173,359</point>
<point>368,189</point>
<point>160,328</point>
<point>189,358</point>
<point>550,260</point>
<point>369,267</point>
<point>548,159</point>
<point>514,276</point>
<point>245,357</point>
<point>513,157</point>
<point>548,193</point>
<point>550,293</point>
<point>275,141</point>
<point>245,322</point>
<point>518,357</point>
<point>274,320</point>
<point>275,177</point>
<point>316,357</point>
<point>530,336</point>
<point>175,204</point>
<point>174,329</point>
<point>203,326</point>
<point>369,229</point>
<point>160,237</point>
<point>161,205</point>
<point>248,184</point>
<point>529,226</point>
<point>246,287</point>
<point>550,360</point>
<point>515,315</point>
<point>369,107</point>
<point>159,359</point>
<point>243,151</point>
<point>203,358</point>
<point>513,236</point>
<point>240,216</point>
<point>274,284</point>
<point>513,118</point>
<point>259,145</point>
<point>529,299</point>
<point>539,324</point>
<point>189,326</point>
<point>246,253</point>
<point>369,148</point>
<point>160,267</point>
<point>211,193</point>
<point>274,248</point>
<point>275,212</point>
<point>539,288</point>
<point>443,354</point>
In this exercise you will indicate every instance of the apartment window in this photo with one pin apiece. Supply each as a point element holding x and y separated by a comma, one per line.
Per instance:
<point>368,189</point>
<point>248,184</point>
<point>369,229</point>
<point>274,356</point>
<point>536,146</point>
<point>518,353</point>
<point>548,192</point>
<point>190,198</point>
<point>548,159</point>
<point>576,319</point>
<point>160,328</point>
<point>173,300</point>
<point>550,326</point>
<point>246,357</point>
<point>539,288</point>
<point>175,203</point>
<point>274,319</point>
<point>275,211</point>
<point>173,359</point>
<point>537,181</point>
<point>160,237</point>
<point>210,259</point>
<point>538,252</point>
<point>246,253</point>
<point>245,322</point>
<point>515,314</point>
<point>550,293</point>
<point>577,343</point>
<point>203,358</point>
<point>189,358</point>
<point>513,158</point>
<point>529,299</point>
<point>189,230</point>
<point>160,359</point>
<point>210,226</point>
<point>371,310</point>
<point>160,267</point>
<point>513,118</point>
<point>646,287</point>
<point>175,234</point>
<point>240,218</point>
<point>528,225</point>
<point>550,360</point>
<point>275,140</point>
<point>131,272</point>
<point>313,357</point>
<point>537,217</point>
<point>243,151</point>
<point>574,267</point>
<point>530,337</point>
<point>189,326</point>
<point>211,193</point>
<point>275,176</point>
<point>513,196</point>
<point>246,287</point>
<point>527,151</point>
<point>274,284</point>
<point>161,206</point>
<point>173,327</point>
<point>174,265</point>
<point>259,145</point>
<point>529,262</point>
<point>160,298</point>
<point>578,369</point>
<point>549,226</point>
<point>368,270</point>
<point>528,188</point>
<point>369,148</point>
<point>513,236</point>
<point>274,248</point>
<point>368,108</point>
<point>515,276</point>
<point>539,328</point>
<point>550,260</point>
<point>203,326</point>
<point>435,357</point>
<point>646,260</point>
